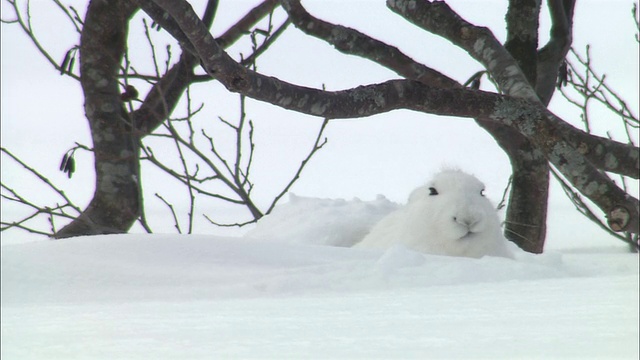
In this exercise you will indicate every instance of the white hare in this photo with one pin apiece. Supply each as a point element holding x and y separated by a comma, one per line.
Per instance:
<point>448,216</point>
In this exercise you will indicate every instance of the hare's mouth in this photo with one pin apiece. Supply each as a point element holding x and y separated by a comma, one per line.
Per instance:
<point>468,236</point>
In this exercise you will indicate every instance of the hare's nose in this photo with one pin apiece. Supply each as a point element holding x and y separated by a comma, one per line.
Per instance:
<point>467,221</point>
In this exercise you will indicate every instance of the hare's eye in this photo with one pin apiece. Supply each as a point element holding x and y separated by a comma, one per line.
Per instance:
<point>433,191</point>
<point>482,192</point>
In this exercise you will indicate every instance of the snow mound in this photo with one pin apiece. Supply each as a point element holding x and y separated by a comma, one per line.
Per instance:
<point>334,222</point>
<point>204,297</point>
<point>282,292</point>
<point>198,267</point>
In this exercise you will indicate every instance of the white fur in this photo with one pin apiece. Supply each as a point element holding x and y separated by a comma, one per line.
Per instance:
<point>458,221</point>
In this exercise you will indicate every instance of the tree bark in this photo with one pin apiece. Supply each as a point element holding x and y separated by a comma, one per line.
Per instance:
<point>116,201</point>
<point>551,56</point>
<point>527,115</point>
<point>526,216</point>
<point>526,212</point>
<point>514,68</point>
<point>116,134</point>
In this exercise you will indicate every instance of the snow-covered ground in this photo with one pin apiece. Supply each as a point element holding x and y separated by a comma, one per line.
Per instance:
<point>283,292</point>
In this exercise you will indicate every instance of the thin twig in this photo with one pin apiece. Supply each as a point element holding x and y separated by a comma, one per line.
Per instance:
<point>231,224</point>
<point>42,178</point>
<point>27,28</point>
<point>187,177</point>
<point>173,212</point>
<point>151,158</point>
<point>503,200</point>
<point>316,146</point>
<point>250,60</point>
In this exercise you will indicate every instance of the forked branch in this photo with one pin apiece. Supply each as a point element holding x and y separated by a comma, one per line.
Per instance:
<point>530,119</point>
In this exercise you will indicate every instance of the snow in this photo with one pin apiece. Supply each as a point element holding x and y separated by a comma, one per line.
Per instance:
<point>335,222</point>
<point>283,291</point>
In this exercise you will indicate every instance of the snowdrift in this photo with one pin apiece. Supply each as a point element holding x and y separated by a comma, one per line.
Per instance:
<point>333,222</point>
<point>202,297</point>
<point>197,267</point>
<point>283,292</point>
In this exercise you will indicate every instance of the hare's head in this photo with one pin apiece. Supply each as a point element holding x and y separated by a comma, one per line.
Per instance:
<point>452,212</point>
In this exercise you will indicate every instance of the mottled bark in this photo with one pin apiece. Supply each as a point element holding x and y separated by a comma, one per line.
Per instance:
<point>526,216</point>
<point>479,42</point>
<point>116,134</point>
<point>522,35</point>
<point>115,205</point>
<point>526,211</point>
<point>527,206</point>
<point>605,153</point>
<point>551,56</point>
<point>527,116</point>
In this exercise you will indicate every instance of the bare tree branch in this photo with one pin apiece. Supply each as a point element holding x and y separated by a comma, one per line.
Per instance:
<point>173,213</point>
<point>57,211</point>
<point>551,56</point>
<point>164,96</point>
<point>530,167</point>
<point>250,60</point>
<point>585,210</point>
<point>316,146</point>
<point>517,117</point>
<point>24,20</point>
<point>526,215</point>
<point>353,42</point>
<point>530,119</point>
<point>243,25</point>
<point>479,42</point>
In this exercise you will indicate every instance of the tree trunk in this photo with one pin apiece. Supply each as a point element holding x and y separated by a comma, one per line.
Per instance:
<point>526,216</point>
<point>116,202</point>
<point>526,213</point>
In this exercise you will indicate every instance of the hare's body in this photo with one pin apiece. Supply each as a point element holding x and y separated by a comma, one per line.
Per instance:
<point>448,216</point>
